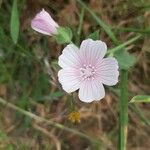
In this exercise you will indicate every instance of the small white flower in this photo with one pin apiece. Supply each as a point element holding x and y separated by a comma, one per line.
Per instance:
<point>86,69</point>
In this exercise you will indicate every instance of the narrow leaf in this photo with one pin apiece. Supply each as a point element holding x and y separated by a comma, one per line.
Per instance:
<point>14,24</point>
<point>140,98</point>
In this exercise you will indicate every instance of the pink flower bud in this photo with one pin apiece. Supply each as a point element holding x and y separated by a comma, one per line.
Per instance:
<point>44,23</point>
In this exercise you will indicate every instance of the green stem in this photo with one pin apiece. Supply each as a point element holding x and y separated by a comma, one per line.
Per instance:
<point>123,106</point>
<point>119,47</point>
<point>129,29</point>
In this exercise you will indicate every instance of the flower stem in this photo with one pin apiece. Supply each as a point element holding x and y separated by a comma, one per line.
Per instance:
<point>123,110</point>
<point>81,17</point>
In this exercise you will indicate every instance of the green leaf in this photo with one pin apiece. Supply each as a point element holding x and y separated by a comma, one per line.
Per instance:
<point>94,35</point>
<point>14,24</point>
<point>64,35</point>
<point>125,60</point>
<point>140,98</point>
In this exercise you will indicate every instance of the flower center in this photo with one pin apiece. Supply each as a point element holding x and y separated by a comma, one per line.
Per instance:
<point>87,71</point>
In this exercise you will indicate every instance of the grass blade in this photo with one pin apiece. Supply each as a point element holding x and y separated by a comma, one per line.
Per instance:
<point>14,23</point>
<point>140,98</point>
<point>140,114</point>
<point>129,29</point>
<point>81,17</point>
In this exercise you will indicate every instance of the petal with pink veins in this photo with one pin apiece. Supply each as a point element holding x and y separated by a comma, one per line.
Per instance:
<point>69,57</point>
<point>92,51</point>
<point>107,71</point>
<point>91,90</point>
<point>70,79</point>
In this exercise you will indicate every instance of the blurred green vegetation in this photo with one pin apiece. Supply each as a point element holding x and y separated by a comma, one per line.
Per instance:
<point>33,86</point>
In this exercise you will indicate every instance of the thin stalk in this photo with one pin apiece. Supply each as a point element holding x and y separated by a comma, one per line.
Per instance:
<point>119,47</point>
<point>123,110</point>
<point>129,29</point>
<point>80,25</point>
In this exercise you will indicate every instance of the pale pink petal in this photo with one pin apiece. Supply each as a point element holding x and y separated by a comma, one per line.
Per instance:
<point>43,27</point>
<point>92,51</point>
<point>44,14</point>
<point>69,57</point>
<point>43,23</point>
<point>91,90</point>
<point>70,79</point>
<point>107,71</point>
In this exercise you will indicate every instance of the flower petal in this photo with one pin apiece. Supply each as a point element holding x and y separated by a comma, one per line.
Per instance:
<point>43,23</point>
<point>43,27</point>
<point>91,90</point>
<point>70,79</point>
<point>69,57</point>
<point>47,17</point>
<point>92,51</point>
<point>107,71</point>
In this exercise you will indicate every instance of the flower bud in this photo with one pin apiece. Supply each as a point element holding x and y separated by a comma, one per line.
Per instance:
<point>44,23</point>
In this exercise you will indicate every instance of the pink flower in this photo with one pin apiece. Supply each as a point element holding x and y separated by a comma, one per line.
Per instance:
<point>86,69</point>
<point>44,23</point>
